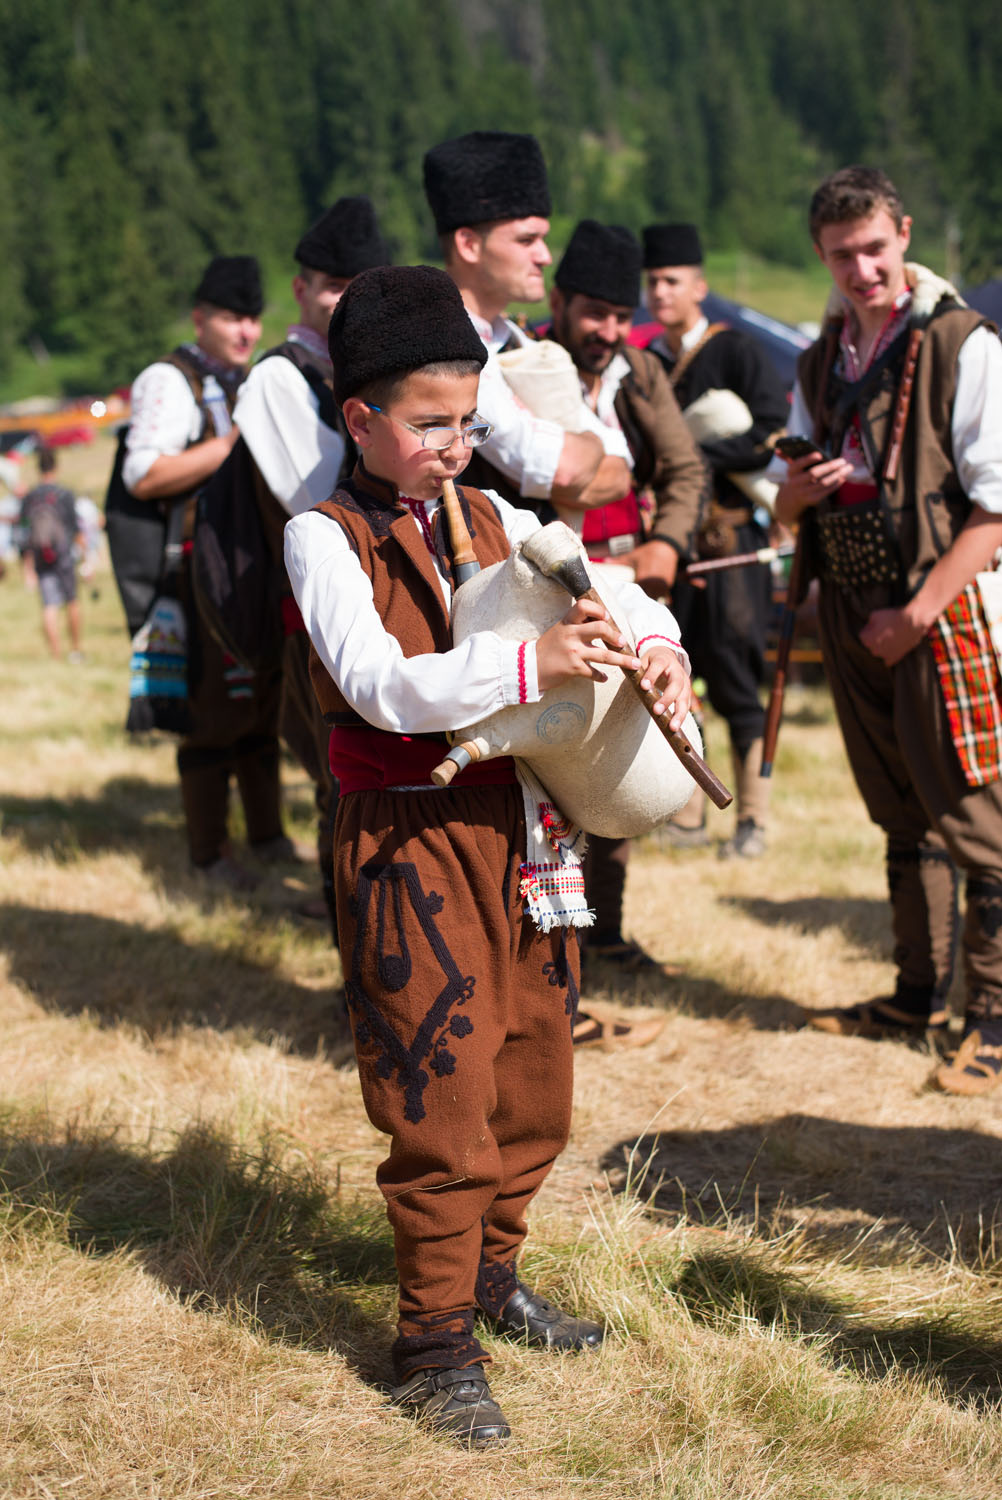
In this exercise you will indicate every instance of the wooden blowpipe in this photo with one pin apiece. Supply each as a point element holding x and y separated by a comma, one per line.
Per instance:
<point>464,562</point>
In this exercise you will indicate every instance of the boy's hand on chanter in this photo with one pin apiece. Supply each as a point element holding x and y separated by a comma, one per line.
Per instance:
<point>662,668</point>
<point>579,644</point>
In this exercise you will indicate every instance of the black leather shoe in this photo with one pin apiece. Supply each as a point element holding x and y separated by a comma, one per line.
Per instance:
<point>455,1403</point>
<point>529,1316</point>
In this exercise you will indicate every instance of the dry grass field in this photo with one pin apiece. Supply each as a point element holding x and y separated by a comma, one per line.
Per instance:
<point>794,1240</point>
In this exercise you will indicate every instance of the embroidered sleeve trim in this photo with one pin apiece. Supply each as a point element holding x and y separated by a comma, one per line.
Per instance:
<point>675,645</point>
<point>522,690</point>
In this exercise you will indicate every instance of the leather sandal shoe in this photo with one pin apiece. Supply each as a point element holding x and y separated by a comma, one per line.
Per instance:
<point>976,1068</point>
<point>455,1403</point>
<point>529,1316</point>
<point>876,1020</point>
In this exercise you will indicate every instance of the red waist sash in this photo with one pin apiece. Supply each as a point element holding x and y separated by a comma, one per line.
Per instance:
<point>365,760</point>
<point>292,620</point>
<point>618,518</point>
<point>851,493</point>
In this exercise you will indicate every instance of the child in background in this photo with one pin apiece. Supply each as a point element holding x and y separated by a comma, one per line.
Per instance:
<point>50,530</point>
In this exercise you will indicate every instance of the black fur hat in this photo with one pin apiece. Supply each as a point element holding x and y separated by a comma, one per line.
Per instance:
<point>233,282</point>
<point>344,240</point>
<point>672,245</point>
<point>602,260</point>
<point>393,319</point>
<point>486,176</point>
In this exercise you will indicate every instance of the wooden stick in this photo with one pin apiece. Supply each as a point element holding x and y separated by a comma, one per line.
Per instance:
<point>464,567</point>
<point>774,713</point>
<point>902,406</point>
<point>464,560</point>
<point>739,560</point>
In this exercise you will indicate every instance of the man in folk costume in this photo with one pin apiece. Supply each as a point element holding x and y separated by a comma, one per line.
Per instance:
<point>725,621</point>
<point>490,197</point>
<point>460,985</point>
<point>298,448</point>
<point>903,395</point>
<point>181,431</point>
<point>597,288</point>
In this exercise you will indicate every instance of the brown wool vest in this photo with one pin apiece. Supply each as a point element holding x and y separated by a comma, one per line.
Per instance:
<point>393,555</point>
<point>926,503</point>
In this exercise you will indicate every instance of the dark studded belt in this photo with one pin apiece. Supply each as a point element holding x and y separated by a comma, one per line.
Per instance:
<point>856,549</point>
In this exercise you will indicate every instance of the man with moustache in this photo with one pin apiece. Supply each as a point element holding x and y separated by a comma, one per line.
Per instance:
<point>726,621</point>
<point>180,433</point>
<point>297,450</point>
<point>597,289</point>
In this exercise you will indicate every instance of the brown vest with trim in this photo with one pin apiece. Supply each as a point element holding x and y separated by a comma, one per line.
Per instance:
<point>405,586</point>
<point>927,505</point>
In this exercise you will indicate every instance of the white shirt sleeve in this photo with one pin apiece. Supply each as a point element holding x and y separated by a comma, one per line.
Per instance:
<point>165,420</point>
<point>527,448</point>
<point>976,425</point>
<point>298,455</point>
<point>799,423</point>
<point>435,691</point>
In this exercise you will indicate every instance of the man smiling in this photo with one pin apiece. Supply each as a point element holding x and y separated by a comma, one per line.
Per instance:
<point>490,197</point>
<point>903,395</point>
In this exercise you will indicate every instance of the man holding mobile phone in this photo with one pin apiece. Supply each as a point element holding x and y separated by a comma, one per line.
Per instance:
<point>904,390</point>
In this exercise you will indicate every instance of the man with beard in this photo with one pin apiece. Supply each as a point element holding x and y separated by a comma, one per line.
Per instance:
<point>597,289</point>
<point>180,433</point>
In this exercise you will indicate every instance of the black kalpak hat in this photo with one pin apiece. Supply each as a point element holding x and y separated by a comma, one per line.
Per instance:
<point>486,176</point>
<point>233,282</point>
<point>672,245</point>
<point>602,260</point>
<point>393,319</point>
<point>344,240</point>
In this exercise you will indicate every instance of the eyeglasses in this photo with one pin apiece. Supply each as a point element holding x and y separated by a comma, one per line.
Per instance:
<point>440,438</point>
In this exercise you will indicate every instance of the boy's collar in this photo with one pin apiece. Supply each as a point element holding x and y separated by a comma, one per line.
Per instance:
<point>375,487</point>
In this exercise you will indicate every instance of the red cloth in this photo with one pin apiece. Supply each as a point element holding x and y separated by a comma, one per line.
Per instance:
<point>618,518</point>
<point>855,494</point>
<point>365,760</point>
<point>969,680</point>
<point>292,620</point>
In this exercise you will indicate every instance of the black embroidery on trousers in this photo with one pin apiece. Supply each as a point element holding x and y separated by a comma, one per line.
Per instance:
<point>986,898</point>
<point>496,1283</point>
<point>558,972</point>
<point>385,887</point>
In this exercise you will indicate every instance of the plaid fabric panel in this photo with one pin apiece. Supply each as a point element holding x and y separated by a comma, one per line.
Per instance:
<point>971,686</point>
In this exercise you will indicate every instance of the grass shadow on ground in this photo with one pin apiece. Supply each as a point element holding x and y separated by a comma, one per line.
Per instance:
<point>133,816</point>
<point>865,921</point>
<point>896,1191</point>
<point>690,994</point>
<point>727,1290</point>
<point>223,1229</point>
<point>120,973</point>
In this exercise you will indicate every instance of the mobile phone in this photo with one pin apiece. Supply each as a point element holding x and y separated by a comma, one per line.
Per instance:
<point>799,447</point>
